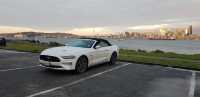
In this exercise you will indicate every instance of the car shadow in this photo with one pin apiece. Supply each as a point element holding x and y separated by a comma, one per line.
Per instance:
<point>58,72</point>
<point>96,68</point>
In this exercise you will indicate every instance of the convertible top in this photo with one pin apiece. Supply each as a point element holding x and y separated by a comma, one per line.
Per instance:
<point>99,40</point>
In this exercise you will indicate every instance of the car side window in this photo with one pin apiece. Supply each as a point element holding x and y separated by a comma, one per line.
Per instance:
<point>102,44</point>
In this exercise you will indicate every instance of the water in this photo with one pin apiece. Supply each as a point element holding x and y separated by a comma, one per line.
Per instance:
<point>177,46</point>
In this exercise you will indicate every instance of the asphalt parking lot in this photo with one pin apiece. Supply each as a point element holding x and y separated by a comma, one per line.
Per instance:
<point>21,76</point>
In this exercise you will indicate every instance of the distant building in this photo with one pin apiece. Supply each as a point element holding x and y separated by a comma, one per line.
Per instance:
<point>188,30</point>
<point>19,35</point>
<point>163,31</point>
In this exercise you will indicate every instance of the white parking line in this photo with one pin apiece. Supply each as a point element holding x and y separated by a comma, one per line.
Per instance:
<point>192,80</point>
<point>192,84</point>
<point>180,69</point>
<point>78,81</point>
<point>18,68</point>
<point>10,51</point>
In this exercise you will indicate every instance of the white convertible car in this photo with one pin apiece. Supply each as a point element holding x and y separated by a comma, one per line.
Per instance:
<point>79,55</point>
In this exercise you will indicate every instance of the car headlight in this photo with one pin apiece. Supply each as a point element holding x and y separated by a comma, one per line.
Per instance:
<point>68,57</point>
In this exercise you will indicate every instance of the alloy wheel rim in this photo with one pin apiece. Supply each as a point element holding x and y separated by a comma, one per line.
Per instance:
<point>82,66</point>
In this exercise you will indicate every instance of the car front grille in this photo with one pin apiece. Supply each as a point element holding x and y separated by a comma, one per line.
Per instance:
<point>49,58</point>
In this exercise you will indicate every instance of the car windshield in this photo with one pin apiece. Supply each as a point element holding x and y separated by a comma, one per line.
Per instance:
<point>84,43</point>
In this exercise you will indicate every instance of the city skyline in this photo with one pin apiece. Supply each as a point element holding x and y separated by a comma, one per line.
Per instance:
<point>99,30</point>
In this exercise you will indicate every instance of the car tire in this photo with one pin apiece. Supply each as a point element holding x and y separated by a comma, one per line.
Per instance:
<point>113,58</point>
<point>81,65</point>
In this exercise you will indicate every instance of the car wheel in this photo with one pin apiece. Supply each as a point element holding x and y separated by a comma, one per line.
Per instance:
<point>81,65</point>
<point>113,58</point>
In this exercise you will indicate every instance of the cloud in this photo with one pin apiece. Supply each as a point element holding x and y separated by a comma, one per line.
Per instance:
<point>91,31</point>
<point>147,27</point>
<point>53,14</point>
<point>14,29</point>
<point>11,29</point>
<point>181,20</point>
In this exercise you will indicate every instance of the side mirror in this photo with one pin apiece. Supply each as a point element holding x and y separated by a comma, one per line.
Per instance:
<point>97,47</point>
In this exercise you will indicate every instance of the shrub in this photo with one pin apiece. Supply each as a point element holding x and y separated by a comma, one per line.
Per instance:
<point>54,44</point>
<point>143,51</point>
<point>158,51</point>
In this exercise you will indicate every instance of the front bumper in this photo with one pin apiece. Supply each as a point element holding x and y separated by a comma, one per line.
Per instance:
<point>63,65</point>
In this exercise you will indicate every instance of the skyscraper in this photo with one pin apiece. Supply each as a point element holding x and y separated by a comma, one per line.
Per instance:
<point>188,30</point>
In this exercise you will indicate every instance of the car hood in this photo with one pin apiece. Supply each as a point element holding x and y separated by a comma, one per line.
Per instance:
<point>65,50</point>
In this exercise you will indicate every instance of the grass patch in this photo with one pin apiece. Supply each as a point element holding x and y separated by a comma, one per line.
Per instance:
<point>161,58</point>
<point>28,46</point>
<point>159,53</point>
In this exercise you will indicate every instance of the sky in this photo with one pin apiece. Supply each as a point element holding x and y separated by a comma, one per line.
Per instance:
<point>96,16</point>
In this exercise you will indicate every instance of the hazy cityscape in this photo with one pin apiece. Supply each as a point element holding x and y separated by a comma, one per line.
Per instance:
<point>164,33</point>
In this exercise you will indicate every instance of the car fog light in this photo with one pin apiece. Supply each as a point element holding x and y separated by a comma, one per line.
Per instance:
<point>67,63</point>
